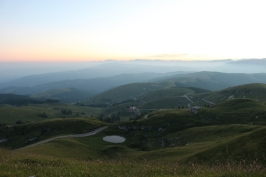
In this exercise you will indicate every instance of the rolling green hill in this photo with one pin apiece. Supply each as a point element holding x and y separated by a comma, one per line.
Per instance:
<point>225,139</point>
<point>18,100</point>
<point>187,134</point>
<point>37,84</point>
<point>163,98</point>
<point>25,134</point>
<point>225,144</point>
<point>121,93</point>
<point>251,91</point>
<point>246,148</point>
<point>169,92</point>
<point>181,97</point>
<point>212,80</point>
<point>11,114</point>
<point>63,95</point>
<point>177,136</point>
<point>164,103</point>
<point>237,111</point>
<point>168,98</point>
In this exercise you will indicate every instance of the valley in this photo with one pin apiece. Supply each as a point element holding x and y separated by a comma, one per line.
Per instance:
<point>162,123</point>
<point>103,88</point>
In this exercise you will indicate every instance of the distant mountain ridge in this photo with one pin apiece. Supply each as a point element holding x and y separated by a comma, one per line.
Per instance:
<point>85,88</point>
<point>256,62</point>
<point>212,80</point>
<point>191,83</point>
<point>20,100</point>
<point>112,68</point>
<point>68,95</point>
<point>95,85</point>
<point>107,69</point>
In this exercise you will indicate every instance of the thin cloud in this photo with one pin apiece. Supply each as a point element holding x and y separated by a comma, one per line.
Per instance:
<point>170,55</point>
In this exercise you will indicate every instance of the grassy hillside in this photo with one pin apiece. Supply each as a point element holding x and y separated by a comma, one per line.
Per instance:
<point>23,135</point>
<point>165,103</point>
<point>17,90</point>
<point>89,80</point>
<point>169,98</point>
<point>118,100</point>
<point>186,133</point>
<point>226,140</point>
<point>251,91</point>
<point>247,148</point>
<point>166,92</point>
<point>213,80</point>
<point>182,133</point>
<point>181,146</point>
<point>64,95</point>
<point>18,100</point>
<point>202,83</point>
<point>11,114</point>
<point>124,92</point>
<point>163,98</point>
<point>25,164</point>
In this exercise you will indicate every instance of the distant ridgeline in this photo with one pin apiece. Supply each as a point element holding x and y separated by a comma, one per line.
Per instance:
<point>21,100</point>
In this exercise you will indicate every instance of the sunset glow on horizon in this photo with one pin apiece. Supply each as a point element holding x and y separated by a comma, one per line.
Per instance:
<point>126,30</point>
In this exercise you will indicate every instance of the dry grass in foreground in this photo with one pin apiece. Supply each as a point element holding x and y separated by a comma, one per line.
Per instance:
<point>13,164</point>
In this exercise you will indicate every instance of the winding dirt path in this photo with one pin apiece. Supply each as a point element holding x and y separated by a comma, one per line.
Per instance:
<point>66,136</point>
<point>186,96</point>
<point>209,102</point>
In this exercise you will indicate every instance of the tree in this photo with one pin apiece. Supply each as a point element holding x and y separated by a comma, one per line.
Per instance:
<point>64,111</point>
<point>43,115</point>
<point>19,122</point>
<point>69,112</point>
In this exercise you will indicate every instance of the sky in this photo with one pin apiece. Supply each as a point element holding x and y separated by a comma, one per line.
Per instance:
<point>97,30</point>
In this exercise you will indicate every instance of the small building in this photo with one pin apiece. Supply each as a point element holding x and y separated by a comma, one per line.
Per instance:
<point>194,109</point>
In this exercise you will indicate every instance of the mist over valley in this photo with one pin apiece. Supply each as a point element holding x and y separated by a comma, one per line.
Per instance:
<point>132,88</point>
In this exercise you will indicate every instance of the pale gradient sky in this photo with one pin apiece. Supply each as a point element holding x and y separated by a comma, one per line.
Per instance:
<point>76,30</point>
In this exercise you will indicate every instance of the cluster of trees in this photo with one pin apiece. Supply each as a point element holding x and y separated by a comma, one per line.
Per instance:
<point>113,118</point>
<point>64,111</point>
<point>2,125</point>
<point>81,113</point>
<point>43,115</point>
<point>19,122</point>
<point>51,101</point>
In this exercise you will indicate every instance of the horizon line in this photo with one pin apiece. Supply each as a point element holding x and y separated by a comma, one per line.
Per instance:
<point>117,60</point>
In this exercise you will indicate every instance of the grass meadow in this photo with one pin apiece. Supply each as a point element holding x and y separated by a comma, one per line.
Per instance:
<point>13,164</point>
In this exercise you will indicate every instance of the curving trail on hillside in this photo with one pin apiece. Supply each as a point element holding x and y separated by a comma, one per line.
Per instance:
<point>66,136</point>
<point>186,96</point>
<point>208,102</point>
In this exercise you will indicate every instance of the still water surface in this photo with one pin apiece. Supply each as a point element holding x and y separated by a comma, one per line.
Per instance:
<point>114,139</point>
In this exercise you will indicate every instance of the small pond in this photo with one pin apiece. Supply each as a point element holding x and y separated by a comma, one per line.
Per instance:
<point>114,139</point>
<point>3,140</point>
